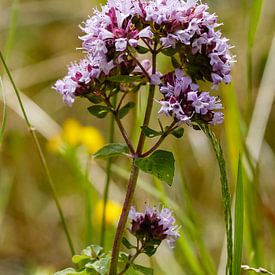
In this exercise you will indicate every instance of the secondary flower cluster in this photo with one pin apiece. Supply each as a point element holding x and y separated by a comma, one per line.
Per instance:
<point>184,101</point>
<point>153,226</point>
<point>114,36</point>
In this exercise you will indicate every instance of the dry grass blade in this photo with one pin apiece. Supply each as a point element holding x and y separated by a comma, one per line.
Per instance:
<point>262,108</point>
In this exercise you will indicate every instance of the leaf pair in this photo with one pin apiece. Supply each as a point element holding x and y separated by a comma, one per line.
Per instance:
<point>160,164</point>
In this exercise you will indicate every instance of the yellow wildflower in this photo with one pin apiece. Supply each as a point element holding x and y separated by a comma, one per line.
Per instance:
<point>113,210</point>
<point>55,143</point>
<point>71,132</point>
<point>91,138</point>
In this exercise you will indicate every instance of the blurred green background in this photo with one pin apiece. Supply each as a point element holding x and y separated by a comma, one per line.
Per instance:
<point>39,38</point>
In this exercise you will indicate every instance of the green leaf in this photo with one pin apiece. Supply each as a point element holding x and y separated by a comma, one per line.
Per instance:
<point>99,110</point>
<point>132,271</point>
<point>70,271</point>
<point>127,244</point>
<point>123,257</point>
<point>100,266</point>
<point>94,98</point>
<point>80,260</point>
<point>239,216</point>
<point>141,50</point>
<point>150,133</point>
<point>169,51</point>
<point>150,250</point>
<point>92,251</point>
<point>143,269</point>
<point>124,78</point>
<point>125,109</point>
<point>4,116</point>
<point>178,133</point>
<point>175,62</point>
<point>160,164</point>
<point>111,150</point>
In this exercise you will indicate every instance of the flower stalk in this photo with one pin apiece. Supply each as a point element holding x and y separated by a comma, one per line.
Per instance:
<point>134,175</point>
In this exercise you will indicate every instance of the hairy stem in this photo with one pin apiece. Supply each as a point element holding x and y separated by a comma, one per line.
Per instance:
<point>123,218</point>
<point>41,156</point>
<point>134,175</point>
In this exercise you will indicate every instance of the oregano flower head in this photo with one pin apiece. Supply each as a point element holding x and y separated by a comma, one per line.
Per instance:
<point>153,226</point>
<point>116,37</point>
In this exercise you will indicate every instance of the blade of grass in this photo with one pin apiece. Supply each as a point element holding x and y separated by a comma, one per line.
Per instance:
<point>261,115</point>
<point>254,17</point>
<point>4,114</point>
<point>12,28</point>
<point>234,139</point>
<point>41,155</point>
<point>203,253</point>
<point>239,222</point>
<point>225,193</point>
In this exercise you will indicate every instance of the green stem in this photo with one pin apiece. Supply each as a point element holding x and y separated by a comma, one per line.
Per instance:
<point>42,157</point>
<point>225,194</point>
<point>107,183</point>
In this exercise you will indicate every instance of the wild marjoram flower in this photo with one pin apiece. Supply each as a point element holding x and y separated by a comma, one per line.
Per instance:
<point>115,40</point>
<point>185,28</point>
<point>153,226</point>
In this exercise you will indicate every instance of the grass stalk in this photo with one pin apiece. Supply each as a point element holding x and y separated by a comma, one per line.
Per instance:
<point>41,156</point>
<point>225,193</point>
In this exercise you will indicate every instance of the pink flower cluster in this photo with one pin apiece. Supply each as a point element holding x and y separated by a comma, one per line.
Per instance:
<point>153,226</point>
<point>112,39</point>
<point>184,101</point>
